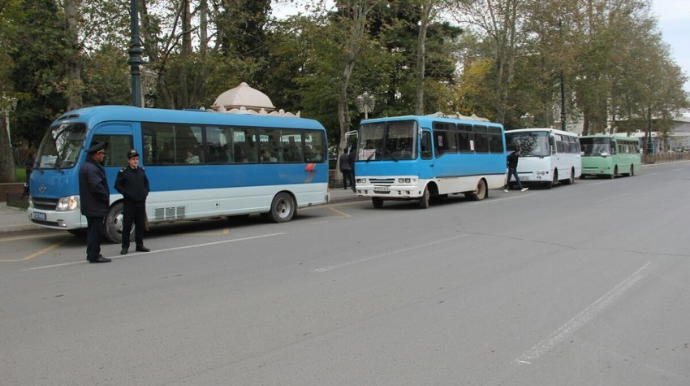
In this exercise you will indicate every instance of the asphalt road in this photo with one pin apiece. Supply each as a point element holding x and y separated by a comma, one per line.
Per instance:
<point>577,285</point>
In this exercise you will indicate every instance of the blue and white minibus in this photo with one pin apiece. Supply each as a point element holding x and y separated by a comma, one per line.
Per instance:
<point>548,156</point>
<point>422,157</point>
<point>200,165</point>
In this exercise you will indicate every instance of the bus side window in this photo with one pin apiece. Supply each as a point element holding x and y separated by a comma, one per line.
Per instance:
<point>116,148</point>
<point>426,145</point>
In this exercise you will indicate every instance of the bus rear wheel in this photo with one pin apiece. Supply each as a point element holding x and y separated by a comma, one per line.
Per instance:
<point>377,202</point>
<point>282,208</point>
<point>113,224</point>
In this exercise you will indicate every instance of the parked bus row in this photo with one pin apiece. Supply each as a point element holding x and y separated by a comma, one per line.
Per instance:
<point>207,164</point>
<point>424,157</point>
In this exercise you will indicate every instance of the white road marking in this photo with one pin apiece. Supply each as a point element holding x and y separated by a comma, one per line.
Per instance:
<point>506,197</point>
<point>612,198</point>
<point>583,317</point>
<point>369,258</point>
<point>161,250</point>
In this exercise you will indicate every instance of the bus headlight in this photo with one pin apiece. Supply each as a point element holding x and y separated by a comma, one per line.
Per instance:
<point>404,180</point>
<point>361,180</point>
<point>68,203</point>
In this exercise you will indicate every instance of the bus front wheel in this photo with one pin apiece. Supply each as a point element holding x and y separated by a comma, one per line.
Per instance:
<point>377,202</point>
<point>571,180</point>
<point>480,193</point>
<point>615,172</point>
<point>424,200</point>
<point>282,208</point>
<point>113,224</point>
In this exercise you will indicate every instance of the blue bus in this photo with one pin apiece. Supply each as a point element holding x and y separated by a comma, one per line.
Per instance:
<point>200,165</point>
<point>423,157</point>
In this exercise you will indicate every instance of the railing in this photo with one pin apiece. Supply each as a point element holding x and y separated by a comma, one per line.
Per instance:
<point>665,157</point>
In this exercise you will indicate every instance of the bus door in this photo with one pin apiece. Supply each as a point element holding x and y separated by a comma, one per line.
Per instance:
<point>119,139</point>
<point>426,165</point>
<point>555,143</point>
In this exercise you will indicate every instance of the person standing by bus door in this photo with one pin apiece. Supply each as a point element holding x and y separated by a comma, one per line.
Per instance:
<point>133,184</point>
<point>346,169</point>
<point>94,198</point>
<point>352,154</point>
<point>512,170</point>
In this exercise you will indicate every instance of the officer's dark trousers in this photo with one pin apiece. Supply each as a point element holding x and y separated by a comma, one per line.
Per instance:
<point>93,237</point>
<point>133,213</point>
<point>348,177</point>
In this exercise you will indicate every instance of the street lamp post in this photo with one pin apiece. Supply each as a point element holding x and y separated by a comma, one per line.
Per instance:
<point>135,59</point>
<point>563,116</point>
<point>365,104</point>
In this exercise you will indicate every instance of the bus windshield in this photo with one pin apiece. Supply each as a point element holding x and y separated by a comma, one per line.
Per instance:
<point>60,146</point>
<point>531,144</point>
<point>595,146</point>
<point>387,141</point>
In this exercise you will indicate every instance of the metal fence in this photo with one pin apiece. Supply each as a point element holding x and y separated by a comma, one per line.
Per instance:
<point>664,158</point>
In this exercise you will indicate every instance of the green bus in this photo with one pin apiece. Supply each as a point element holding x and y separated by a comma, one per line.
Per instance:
<point>609,155</point>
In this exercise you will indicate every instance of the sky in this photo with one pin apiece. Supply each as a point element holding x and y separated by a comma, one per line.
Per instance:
<point>674,23</point>
<point>673,20</point>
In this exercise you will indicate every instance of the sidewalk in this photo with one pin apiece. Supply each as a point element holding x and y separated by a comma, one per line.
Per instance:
<point>14,220</point>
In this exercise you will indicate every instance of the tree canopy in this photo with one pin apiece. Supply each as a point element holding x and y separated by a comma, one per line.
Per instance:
<point>500,59</point>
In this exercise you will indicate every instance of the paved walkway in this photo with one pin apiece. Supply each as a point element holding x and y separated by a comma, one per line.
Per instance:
<point>14,220</point>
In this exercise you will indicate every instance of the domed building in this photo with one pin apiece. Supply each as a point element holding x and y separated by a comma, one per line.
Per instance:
<point>247,100</point>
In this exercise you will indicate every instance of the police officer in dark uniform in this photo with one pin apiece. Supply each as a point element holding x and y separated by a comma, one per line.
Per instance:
<point>132,183</point>
<point>94,200</point>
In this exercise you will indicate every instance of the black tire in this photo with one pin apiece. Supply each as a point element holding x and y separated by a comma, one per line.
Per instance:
<point>113,225</point>
<point>480,193</point>
<point>283,208</point>
<point>424,200</point>
<point>614,174</point>
<point>377,202</point>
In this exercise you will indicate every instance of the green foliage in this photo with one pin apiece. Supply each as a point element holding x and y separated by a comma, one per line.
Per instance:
<point>37,45</point>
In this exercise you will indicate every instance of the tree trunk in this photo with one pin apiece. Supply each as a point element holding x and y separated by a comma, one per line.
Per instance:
<point>421,56</point>
<point>73,73</point>
<point>7,173</point>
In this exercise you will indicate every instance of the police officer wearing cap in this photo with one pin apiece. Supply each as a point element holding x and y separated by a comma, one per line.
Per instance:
<point>132,183</point>
<point>94,200</point>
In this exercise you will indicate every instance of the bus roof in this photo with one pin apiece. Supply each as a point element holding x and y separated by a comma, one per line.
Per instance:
<point>614,136</point>
<point>92,115</point>
<point>426,119</point>
<point>542,129</point>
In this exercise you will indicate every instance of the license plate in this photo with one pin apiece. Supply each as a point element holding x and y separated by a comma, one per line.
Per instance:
<point>382,189</point>
<point>38,216</point>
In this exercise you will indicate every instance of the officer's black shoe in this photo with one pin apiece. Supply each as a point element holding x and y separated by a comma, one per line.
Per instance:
<point>124,251</point>
<point>100,259</point>
<point>143,249</point>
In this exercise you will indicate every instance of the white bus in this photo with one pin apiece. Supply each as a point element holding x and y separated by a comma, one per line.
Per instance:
<point>548,156</point>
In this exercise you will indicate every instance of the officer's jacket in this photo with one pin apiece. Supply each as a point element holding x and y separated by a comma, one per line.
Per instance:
<point>132,184</point>
<point>94,193</point>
